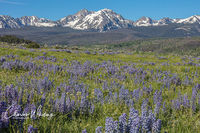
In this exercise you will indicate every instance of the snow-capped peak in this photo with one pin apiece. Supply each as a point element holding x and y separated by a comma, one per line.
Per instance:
<point>9,22</point>
<point>82,13</point>
<point>192,19</point>
<point>35,21</point>
<point>102,20</point>
<point>144,21</point>
<point>106,10</point>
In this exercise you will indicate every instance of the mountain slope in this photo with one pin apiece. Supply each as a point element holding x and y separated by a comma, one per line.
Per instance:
<point>190,20</point>
<point>66,35</point>
<point>9,22</point>
<point>35,21</point>
<point>102,20</point>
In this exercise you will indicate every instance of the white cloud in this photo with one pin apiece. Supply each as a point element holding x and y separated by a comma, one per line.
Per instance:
<point>11,2</point>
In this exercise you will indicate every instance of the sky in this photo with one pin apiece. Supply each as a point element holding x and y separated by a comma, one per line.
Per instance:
<point>129,9</point>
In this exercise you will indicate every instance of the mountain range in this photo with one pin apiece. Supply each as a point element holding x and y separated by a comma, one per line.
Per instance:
<point>96,27</point>
<point>102,20</point>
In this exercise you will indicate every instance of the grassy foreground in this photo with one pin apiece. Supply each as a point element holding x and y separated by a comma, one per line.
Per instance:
<point>87,89</point>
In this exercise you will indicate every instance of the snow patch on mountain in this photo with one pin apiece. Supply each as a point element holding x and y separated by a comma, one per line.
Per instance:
<point>102,20</point>
<point>9,22</point>
<point>189,20</point>
<point>35,21</point>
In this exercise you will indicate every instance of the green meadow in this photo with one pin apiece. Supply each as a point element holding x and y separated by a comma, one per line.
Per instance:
<point>55,75</point>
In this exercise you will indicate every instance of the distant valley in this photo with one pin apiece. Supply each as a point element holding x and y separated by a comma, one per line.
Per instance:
<point>90,27</point>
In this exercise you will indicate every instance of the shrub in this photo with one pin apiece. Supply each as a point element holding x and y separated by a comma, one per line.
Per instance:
<point>15,40</point>
<point>32,45</point>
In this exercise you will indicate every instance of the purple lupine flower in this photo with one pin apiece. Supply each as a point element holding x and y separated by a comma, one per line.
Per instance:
<point>84,104</point>
<point>87,52</point>
<point>44,54</point>
<point>123,123</point>
<point>109,125</point>
<point>43,100</point>
<point>124,95</point>
<point>157,126</point>
<point>147,90</point>
<point>31,129</point>
<point>116,97</point>
<point>133,121</point>
<point>45,84</point>
<point>84,131</point>
<point>11,93</point>
<point>63,103</point>
<point>20,96</point>
<point>176,104</point>
<point>146,121</point>
<point>14,108</point>
<point>2,60</point>
<point>135,125</point>
<point>164,107</point>
<point>193,98</point>
<point>68,104</point>
<point>116,127</point>
<point>110,97</point>
<point>3,106</point>
<point>98,95</point>
<point>92,108</point>
<point>33,111</point>
<point>146,124</point>
<point>57,105</point>
<point>131,103</point>
<point>27,109</point>
<point>152,117</point>
<point>4,119</point>
<point>186,81</point>
<point>144,108</point>
<point>157,108</point>
<point>186,101</point>
<point>98,129</point>
<point>157,96</point>
<point>136,94</point>
<point>58,91</point>
<point>132,112</point>
<point>105,86</point>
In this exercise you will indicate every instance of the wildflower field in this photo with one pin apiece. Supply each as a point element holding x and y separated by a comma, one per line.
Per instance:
<point>78,91</point>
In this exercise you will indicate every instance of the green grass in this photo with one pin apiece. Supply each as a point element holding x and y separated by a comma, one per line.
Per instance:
<point>172,121</point>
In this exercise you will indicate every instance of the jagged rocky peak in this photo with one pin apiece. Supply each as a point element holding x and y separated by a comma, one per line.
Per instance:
<point>36,21</point>
<point>82,13</point>
<point>111,13</point>
<point>79,15</point>
<point>192,19</point>
<point>165,21</point>
<point>102,20</point>
<point>29,20</point>
<point>106,10</point>
<point>9,22</point>
<point>144,21</point>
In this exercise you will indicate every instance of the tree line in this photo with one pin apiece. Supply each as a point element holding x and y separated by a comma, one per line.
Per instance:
<point>16,40</point>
